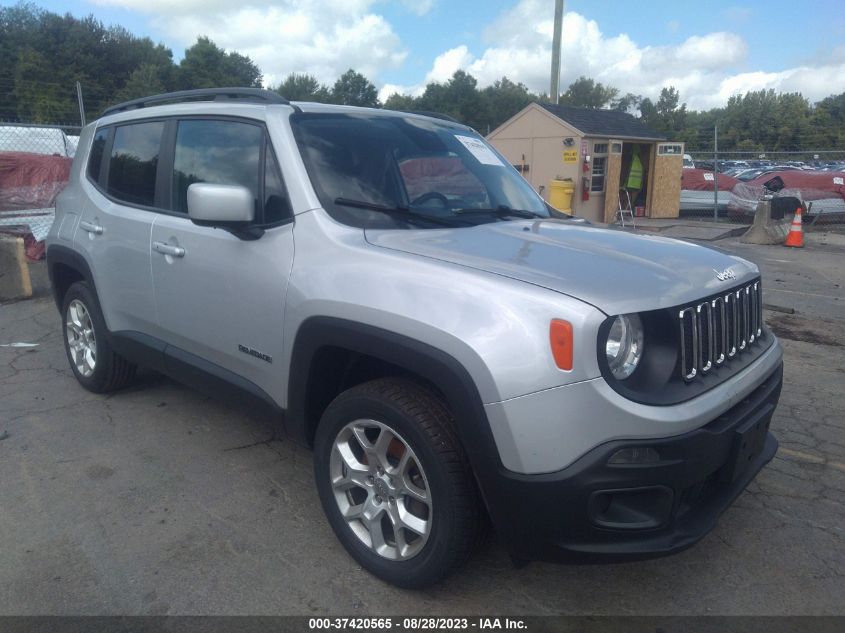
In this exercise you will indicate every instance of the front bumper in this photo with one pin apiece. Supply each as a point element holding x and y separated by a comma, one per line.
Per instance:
<point>594,511</point>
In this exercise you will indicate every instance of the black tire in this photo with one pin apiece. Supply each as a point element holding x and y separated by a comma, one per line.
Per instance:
<point>426,425</point>
<point>111,371</point>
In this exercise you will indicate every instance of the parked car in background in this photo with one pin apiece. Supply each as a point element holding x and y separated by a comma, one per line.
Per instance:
<point>688,162</point>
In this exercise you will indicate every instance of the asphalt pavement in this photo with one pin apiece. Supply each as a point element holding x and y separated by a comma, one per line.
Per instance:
<point>161,500</point>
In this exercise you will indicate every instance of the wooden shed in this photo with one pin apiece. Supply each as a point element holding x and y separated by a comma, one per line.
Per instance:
<point>597,149</point>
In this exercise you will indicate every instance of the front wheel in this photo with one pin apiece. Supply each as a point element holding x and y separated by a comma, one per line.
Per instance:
<point>395,483</point>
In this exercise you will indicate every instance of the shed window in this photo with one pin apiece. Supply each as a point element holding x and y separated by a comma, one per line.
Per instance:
<point>599,169</point>
<point>670,149</point>
<point>599,148</point>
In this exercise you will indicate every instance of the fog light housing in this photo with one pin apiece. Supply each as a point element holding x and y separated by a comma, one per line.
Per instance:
<point>631,508</point>
<point>634,455</point>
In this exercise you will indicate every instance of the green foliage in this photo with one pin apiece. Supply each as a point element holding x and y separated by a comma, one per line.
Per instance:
<point>206,65</point>
<point>458,98</point>
<point>303,87</point>
<point>354,89</point>
<point>586,93</point>
<point>504,99</point>
<point>403,103</point>
<point>45,54</point>
<point>143,81</point>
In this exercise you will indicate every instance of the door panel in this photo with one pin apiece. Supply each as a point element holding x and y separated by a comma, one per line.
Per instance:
<point>220,297</point>
<point>116,239</point>
<point>116,236</point>
<point>224,298</point>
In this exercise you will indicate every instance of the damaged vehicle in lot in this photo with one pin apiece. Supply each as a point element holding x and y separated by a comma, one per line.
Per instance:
<point>454,353</point>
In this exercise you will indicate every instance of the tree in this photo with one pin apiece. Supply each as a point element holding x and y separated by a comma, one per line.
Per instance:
<point>399,102</point>
<point>459,98</point>
<point>671,116</point>
<point>206,65</point>
<point>626,103</point>
<point>144,81</point>
<point>303,87</point>
<point>586,93</point>
<point>354,89</point>
<point>504,99</point>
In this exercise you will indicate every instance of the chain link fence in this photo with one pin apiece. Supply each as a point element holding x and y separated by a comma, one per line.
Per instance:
<point>813,180</point>
<point>38,138</point>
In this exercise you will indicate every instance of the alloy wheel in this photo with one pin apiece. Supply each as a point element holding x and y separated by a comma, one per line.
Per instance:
<point>79,330</point>
<point>381,489</point>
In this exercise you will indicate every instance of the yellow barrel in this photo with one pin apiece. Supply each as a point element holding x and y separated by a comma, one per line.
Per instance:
<point>560,195</point>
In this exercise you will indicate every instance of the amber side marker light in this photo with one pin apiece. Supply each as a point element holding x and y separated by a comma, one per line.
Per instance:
<point>560,338</point>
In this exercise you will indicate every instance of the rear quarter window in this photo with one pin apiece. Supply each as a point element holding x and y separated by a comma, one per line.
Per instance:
<point>134,161</point>
<point>95,156</point>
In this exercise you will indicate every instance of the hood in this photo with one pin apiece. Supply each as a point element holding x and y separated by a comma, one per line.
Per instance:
<point>615,271</point>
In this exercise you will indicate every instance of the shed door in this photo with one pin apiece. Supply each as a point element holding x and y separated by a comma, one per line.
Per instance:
<point>614,175</point>
<point>665,182</point>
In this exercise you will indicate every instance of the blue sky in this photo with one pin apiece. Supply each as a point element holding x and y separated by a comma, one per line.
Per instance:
<point>709,50</point>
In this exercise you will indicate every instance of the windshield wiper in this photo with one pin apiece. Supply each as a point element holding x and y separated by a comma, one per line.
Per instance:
<point>400,212</point>
<point>502,211</point>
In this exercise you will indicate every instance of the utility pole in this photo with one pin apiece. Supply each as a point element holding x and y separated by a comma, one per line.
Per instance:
<point>715,172</point>
<point>554,92</point>
<point>81,105</point>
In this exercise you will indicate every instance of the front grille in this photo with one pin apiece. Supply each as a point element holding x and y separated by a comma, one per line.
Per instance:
<point>719,329</point>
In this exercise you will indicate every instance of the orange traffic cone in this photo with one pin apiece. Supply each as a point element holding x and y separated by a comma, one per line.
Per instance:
<point>795,237</point>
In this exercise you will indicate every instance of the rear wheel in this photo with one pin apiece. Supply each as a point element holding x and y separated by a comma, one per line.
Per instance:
<point>395,483</point>
<point>96,366</point>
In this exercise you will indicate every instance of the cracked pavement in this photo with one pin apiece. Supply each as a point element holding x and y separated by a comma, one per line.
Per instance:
<point>160,500</point>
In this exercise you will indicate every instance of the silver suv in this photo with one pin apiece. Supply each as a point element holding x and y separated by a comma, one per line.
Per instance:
<point>454,352</point>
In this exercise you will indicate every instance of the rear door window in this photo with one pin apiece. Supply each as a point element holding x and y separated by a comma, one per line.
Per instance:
<point>134,162</point>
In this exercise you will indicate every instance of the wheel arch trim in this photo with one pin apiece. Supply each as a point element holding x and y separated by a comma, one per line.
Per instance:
<point>62,255</point>
<point>434,365</point>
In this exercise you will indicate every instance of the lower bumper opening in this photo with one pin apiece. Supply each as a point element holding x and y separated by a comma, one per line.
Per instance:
<point>631,508</point>
<point>604,508</point>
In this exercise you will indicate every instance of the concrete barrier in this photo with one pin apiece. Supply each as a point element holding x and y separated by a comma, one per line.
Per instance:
<point>15,282</point>
<point>765,230</point>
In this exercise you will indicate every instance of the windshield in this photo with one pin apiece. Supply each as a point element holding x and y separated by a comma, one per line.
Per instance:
<point>374,170</point>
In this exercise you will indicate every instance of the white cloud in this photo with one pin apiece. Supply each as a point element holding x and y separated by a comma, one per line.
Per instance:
<point>319,37</point>
<point>419,7</point>
<point>707,69</point>
<point>325,37</point>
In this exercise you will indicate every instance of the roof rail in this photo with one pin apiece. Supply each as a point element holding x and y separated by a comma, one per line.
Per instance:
<point>433,115</point>
<point>254,95</point>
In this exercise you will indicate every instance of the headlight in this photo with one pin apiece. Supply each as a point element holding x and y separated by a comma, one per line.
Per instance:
<point>624,346</point>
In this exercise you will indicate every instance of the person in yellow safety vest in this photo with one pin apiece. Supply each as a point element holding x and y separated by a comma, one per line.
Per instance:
<point>635,176</point>
<point>634,181</point>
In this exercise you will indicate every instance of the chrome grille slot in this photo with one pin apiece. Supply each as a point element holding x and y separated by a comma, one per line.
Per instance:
<point>689,343</point>
<point>717,330</point>
<point>720,333</point>
<point>704,318</point>
<point>730,306</point>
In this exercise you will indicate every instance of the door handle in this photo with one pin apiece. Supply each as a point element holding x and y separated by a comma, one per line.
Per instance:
<point>169,249</point>
<point>96,229</point>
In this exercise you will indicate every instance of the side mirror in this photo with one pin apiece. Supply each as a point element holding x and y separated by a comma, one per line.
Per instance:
<point>220,205</point>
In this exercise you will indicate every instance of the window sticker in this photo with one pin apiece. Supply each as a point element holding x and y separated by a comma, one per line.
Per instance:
<point>482,153</point>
